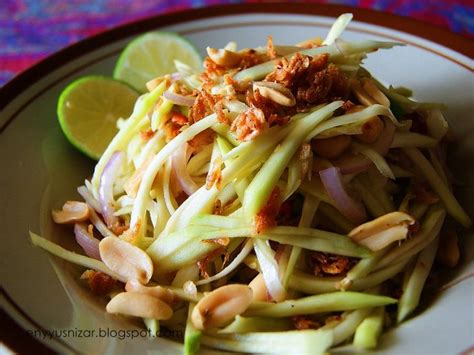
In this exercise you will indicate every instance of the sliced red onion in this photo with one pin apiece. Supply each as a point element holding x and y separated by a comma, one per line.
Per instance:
<point>358,163</point>
<point>179,159</point>
<point>351,209</point>
<point>88,243</point>
<point>353,164</point>
<point>99,225</point>
<point>179,99</point>
<point>106,191</point>
<point>176,76</point>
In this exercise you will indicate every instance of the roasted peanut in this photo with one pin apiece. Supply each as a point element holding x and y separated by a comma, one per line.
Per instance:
<point>224,57</point>
<point>371,88</point>
<point>153,83</point>
<point>275,92</point>
<point>259,289</point>
<point>363,97</point>
<point>125,259</point>
<point>368,93</point>
<point>355,108</point>
<point>139,305</point>
<point>370,130</point>
<point>162,293</point>
<point>331,148</point>
<point>72,212</point>
<point>220,306</point>
<point>382,231</point>
<point>448,250</point>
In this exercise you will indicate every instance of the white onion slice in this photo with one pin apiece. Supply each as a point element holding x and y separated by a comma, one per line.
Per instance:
<point>89,198</point>
<point>270,270</point>
<point>88,243</point>
<point>106,184</point>
<point>179,160</point>
<point>179,99</point>
<point>351,209</point>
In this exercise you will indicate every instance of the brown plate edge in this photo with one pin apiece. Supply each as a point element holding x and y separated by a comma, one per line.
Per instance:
<point>430,32</point>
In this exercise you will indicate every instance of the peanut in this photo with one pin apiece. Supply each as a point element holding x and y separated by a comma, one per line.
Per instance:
<point>162,293</point>
<point>72,212</point>
<point>331,148</point>
<point>125,259</point>
<point>259,289</point>
<point>382,231</point>
<point>224,57</point>
<point>275,92</point>
<point>139,305</point>
<point>220,306</point>
<point>370,130</point>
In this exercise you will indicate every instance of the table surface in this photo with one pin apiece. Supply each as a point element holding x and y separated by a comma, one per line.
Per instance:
<point>33,29</point>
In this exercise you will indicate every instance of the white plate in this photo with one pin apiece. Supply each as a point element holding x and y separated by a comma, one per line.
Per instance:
<point>39,170</point>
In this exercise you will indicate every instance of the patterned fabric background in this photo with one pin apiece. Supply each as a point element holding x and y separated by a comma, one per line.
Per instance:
<point>32,29</point>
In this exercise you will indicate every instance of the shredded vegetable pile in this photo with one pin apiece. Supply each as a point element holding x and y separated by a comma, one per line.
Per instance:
<point>281,200</point>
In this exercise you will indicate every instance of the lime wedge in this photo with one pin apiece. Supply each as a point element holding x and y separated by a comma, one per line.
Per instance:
<point>88,110</point>
<point>152,55</point>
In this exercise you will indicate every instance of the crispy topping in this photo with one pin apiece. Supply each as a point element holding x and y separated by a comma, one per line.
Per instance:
<point>302,323</point>
<point>202,264</point>
<point>203,106</point>
<point>147,135</point>
<point>212,71</point>
<point>266,218</point>
<point>249,124</point>
<point>202,139</point>
<point>329,264</point>
<point>311,80</point>
<point>214,175</point>
<point>174,125</point>
<point>424,193</point>
<point>271,52</point>
<point>99,283</point>
<point>274,113</point>
<point>221,116</point>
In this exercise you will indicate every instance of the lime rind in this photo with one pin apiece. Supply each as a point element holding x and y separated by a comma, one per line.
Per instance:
<point>152,54</point>
<point>96,101</point>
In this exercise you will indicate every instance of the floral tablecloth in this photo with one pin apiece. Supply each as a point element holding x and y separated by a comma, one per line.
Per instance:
<point>32,29</point>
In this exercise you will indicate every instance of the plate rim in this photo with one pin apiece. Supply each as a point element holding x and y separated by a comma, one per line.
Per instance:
<point>14,88</point>
<point>20,82</point>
